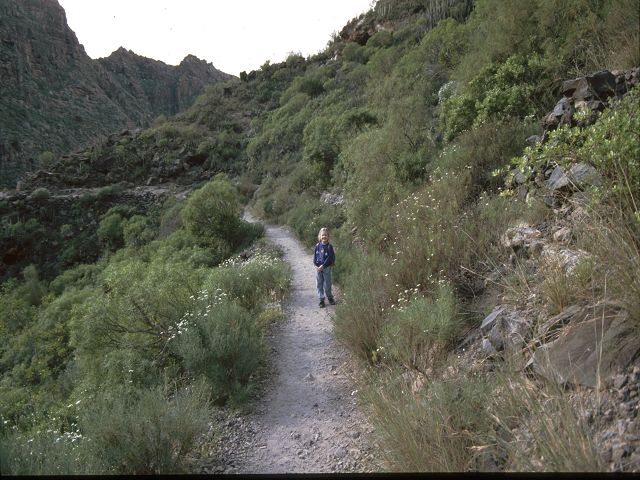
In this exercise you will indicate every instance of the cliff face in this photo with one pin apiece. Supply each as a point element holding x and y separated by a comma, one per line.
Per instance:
<point>53,97</point>
<point>159,87</point>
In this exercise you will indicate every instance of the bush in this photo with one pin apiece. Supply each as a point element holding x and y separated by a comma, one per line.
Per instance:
<point>360,316</point>
<point>212,214</point>
<point>419,331</point>
<point>429,430</point>
<point>136,231</point>
<point>251,283</point>
<point>44,453</point>
<point>557,437</point>
<point>223,343</point>
<point>147,431</point>
<point>110,231</point>
<point>40,194</point>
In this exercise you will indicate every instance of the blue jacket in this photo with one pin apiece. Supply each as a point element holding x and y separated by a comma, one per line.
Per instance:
<point>324,255</point>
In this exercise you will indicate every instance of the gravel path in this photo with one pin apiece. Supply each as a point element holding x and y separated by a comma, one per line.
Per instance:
<point>307,419</point>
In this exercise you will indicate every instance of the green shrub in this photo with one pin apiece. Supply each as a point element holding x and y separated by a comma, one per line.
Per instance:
<point>136,231</point>
<point>78,277</point>
<point>252,283</point>
<point>33,289</point>
<point>419,330</point>
<point>44,453</point>
<point>352,52</point>
<point>223,343</point>
<point>146,431</point>
<point>171,218</point>
<point>46,159</point>
<point>212,214</point>
<point>110,231</point>
<point>360,316</point>
<point>557,437</point>
<point>40,194</point>
<point>611,145</point>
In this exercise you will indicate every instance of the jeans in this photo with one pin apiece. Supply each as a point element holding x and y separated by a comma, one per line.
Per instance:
<point>323,283</point>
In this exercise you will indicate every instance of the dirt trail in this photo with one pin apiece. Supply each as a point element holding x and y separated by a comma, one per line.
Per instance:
<point>307,419</point>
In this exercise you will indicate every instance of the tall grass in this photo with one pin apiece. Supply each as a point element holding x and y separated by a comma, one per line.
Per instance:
<point>429,430</point>
<point>147,431</point>
<point>418,332</point>
<point>537,428</point>
<point>360,316</point>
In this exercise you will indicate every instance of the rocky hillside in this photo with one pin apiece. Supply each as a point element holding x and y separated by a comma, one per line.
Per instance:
<point>55,98</point>
<point>477,164</point>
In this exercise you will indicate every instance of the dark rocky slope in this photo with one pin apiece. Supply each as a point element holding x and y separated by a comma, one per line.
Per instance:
<point>53,97</point>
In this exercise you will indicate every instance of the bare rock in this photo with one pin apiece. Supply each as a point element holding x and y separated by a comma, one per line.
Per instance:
<point>591,351</point>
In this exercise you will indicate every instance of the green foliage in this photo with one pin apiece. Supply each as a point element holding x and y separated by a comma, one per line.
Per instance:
<point>44,453</point>
<point>16,310</point>
<point>320,146</point>
<point>371,187</point>
<point>611,145</point>
<point>310,215</point>
<point>136,231</point>
<point>559,438</point>
<point>223,343</point>
<point>428,430</point>
<point>46,159</point>
<point>110,231</point>
<point>33,289</point>
<point>418,329</point>
<point>212,215</point>
<point>145,432</point>
<point>508,89</point>
<point>40,194</point>
<point>360,316</point>
<point>352,52</point>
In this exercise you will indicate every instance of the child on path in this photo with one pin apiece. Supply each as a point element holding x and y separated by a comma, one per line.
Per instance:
<point>323,258</point>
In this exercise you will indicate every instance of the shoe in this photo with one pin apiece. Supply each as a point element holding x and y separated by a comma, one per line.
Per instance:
<point>332,301</point>
<point>321,304</point>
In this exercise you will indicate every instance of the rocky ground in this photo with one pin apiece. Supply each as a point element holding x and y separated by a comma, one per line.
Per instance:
<point>306,418</point>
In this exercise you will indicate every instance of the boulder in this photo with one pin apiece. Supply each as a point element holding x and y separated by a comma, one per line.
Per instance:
<point>534,140</point>
<point>523,239</point>
<point>563,235</point>
<point>558,179</point>
<point>491,320</point>
<point>561,115</point>
<point>600,85</point>
<point>331,198</point>
<point>487,348</point>
<point>504,329</point>
<point>565,258</point>
<point>590,352</point>
<point>580,176</point>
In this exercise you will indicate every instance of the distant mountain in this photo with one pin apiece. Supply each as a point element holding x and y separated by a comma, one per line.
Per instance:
<point>53,97</point>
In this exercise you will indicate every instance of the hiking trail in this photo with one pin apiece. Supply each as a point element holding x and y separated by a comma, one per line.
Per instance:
<point>307,419</point>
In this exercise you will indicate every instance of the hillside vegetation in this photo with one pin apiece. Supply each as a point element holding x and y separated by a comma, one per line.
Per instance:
<point>484,245</point>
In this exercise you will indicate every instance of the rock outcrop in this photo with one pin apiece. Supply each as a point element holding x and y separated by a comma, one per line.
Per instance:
<point>589,94</point>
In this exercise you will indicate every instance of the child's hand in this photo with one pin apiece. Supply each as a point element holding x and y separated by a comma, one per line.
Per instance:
<point>320,268</point>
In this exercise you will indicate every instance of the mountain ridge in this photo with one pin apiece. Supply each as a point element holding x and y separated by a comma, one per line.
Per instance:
<point>55,98</point>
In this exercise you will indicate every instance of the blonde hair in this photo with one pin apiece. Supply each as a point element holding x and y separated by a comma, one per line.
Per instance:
<point>323,230</point>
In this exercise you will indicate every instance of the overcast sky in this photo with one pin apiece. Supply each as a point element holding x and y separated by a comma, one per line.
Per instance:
<point>233,35</point>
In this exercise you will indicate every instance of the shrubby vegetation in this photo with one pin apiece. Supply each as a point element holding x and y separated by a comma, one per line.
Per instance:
<point>412,129</point>
<point>415,128</point>
<point>114,367</point>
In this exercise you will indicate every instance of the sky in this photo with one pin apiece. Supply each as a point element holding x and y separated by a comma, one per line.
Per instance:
<point>233,35</point>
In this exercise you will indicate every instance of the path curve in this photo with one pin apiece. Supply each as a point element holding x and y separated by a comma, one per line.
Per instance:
<point>307,420</point>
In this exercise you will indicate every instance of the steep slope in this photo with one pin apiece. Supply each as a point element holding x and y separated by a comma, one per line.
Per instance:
<point>54,98</point>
